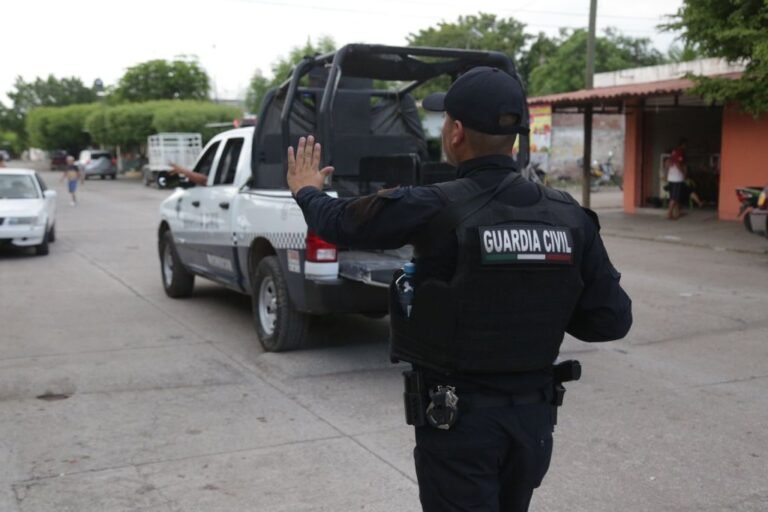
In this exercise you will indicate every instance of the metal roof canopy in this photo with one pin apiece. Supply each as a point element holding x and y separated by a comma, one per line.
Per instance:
<point>657,95</point>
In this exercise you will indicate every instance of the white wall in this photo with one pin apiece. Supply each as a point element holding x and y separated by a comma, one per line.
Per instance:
<point>706,67</point>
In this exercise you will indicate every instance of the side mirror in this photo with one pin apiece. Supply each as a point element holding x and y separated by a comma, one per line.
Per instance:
<point>49,194</point>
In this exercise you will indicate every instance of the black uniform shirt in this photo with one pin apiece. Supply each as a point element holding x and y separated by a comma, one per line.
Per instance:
<point>392,218</point>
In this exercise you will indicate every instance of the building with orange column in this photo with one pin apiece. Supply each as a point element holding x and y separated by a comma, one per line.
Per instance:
<point>726,148</point>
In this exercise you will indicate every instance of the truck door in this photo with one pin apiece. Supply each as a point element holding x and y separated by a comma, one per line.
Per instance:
<point>191,238</point>
<point>217,214</point>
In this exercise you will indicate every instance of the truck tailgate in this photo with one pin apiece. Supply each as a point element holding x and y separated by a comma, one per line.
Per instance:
<point>373,267</point>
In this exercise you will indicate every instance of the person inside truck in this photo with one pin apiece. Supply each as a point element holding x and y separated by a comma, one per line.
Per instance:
<point>197,178</point>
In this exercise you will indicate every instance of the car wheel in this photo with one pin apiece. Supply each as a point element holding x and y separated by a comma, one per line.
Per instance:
<point>42,249</point>
<point>279,326</point>
<point>178,282</point>
<point>52,234</point>
<point>113,176</point>
<point>102,176</point>
<point>747,222</point>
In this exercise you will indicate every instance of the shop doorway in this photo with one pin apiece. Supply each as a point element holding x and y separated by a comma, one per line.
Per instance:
<point>665,123</point>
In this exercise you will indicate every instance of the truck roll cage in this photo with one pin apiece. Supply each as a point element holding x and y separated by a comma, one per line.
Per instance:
<point>412,65</point>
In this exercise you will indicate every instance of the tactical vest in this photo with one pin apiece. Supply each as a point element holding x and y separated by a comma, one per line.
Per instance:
<point>516,285</point>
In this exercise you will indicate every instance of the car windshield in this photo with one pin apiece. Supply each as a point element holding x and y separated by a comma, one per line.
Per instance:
<point>94,156</point>
<point>18,186</point>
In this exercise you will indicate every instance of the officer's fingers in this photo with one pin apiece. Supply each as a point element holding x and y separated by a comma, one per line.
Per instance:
<point>300,153</point>
<point>291,161</point>
<point>308,149</point>
<point>316,156</point>
<point>326,171</point>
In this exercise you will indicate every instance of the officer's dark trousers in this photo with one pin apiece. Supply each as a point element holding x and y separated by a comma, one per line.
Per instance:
<point>490,461</point>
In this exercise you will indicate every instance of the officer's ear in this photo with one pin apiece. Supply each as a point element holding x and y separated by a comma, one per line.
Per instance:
<point>458,135</point>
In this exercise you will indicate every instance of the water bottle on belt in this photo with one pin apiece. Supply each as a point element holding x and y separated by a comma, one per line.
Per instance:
<point>404,285</point>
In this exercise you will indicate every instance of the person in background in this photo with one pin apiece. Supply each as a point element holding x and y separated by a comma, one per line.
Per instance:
<point>676,174</point>
<point>72,174</point>
<point>2,160</point>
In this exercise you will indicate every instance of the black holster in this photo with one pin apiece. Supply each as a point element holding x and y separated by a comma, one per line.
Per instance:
<point>415,397</point>
<point>562,372</point>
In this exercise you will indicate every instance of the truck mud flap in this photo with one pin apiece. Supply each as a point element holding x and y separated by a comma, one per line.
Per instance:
<point>373,267</point>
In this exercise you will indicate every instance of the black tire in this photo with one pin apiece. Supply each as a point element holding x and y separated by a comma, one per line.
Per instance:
<point>43,249</point>
<point>177,281</point>
<point>289,328</point>
<point>747,223</point>
<point>52,234</point>
<point>102,176</point>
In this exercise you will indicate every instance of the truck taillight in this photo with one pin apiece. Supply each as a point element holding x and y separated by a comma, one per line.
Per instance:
<point>318,250</point>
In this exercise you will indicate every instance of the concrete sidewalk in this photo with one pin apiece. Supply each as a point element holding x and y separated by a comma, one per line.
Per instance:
<point>698,228</point>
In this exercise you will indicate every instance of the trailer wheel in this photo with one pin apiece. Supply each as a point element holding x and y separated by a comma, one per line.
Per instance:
<point>279,326</point>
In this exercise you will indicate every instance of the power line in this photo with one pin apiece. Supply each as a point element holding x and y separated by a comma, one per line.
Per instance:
<point>398,13</point>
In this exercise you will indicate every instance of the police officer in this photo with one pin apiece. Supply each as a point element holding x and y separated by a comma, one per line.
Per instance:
<point>504,267</point>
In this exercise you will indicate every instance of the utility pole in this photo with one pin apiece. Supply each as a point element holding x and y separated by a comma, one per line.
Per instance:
<point>590,71</point>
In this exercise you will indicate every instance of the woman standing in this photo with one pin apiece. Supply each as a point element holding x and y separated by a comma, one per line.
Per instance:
<point>675,178</point>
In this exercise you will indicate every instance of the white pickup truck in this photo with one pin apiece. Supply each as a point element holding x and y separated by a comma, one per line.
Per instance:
<point>245,230</point>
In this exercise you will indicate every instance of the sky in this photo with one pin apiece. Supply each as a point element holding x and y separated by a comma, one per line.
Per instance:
<point>233,38</point>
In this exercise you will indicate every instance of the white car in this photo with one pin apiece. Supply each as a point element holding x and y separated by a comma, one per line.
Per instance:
<point>27,210</point>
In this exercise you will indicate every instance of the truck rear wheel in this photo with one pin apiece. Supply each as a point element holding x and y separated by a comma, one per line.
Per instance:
<point>177,281</point>
<point>278,325</point>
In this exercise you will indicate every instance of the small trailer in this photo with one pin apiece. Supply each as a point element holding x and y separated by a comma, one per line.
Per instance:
<point>170,148</point>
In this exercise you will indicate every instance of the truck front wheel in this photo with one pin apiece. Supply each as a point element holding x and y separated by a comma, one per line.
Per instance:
<point>278,325</point>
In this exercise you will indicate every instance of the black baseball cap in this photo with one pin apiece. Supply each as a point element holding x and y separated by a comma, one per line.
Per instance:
<point>479,98</point>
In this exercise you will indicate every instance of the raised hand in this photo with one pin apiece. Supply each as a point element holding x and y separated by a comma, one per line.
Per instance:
<point>304,165</point>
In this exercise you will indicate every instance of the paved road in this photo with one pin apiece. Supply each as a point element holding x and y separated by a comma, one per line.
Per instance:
<point>151,404</point>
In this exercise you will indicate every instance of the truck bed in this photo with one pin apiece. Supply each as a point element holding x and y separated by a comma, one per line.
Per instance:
<point>374,268</point>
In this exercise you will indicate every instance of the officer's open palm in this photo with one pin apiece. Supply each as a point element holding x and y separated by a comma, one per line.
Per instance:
<point>304,166</point>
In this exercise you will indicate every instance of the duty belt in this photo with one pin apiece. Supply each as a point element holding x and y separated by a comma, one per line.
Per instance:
<point>473,401</point>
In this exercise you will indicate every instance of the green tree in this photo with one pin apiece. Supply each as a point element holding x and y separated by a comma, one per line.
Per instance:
<point>96,125</point>
<point>59,127</point>
<point>736,30</point>
<point>41,92</point>
<point>129,125</point>
<point>281,70</point>
<point>478,32</point>
<point>257,89</point>
<point>193,116</point>
<point>49,92</point>
<point>10,141</point>
<point>538,52</point>
<point>565,69</point>
<point>161,79</point>
<point>683,53</point>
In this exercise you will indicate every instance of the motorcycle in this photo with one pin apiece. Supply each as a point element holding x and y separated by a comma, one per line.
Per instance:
<point>754,208</point>
<point>602,173</point>
<point>533,172</point>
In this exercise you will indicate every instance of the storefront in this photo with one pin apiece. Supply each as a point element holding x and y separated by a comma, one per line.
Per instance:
<point>725,148</point>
